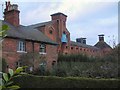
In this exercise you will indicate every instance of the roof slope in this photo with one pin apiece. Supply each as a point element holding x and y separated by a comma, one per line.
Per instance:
<point>102,45</point>
<point>28,33</point>
<point>40,24</point>
<point>83,45</point>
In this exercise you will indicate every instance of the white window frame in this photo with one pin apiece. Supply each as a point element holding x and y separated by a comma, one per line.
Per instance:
<point>42,49</point>
<point>18,64</point>
<point>21,47</point>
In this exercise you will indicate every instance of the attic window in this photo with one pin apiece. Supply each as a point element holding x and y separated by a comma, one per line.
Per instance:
<point>50,31</point>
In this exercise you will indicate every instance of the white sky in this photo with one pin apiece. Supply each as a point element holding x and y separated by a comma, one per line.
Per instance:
<point>86,18</point>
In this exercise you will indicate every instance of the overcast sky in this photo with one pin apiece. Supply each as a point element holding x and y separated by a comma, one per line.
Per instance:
<point>86,18</point>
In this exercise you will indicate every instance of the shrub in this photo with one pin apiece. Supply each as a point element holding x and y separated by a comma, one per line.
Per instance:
<point>64,82</point>
<point>86,69</point>
<point>4,65</point>
<point>75,57</point>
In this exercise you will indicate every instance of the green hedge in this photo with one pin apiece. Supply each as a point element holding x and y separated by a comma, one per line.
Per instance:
<point>86,69</point>
<point>31,81</point>
<point>75,57</point>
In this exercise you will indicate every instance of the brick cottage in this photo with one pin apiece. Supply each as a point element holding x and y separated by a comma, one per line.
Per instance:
<point>41,43</point>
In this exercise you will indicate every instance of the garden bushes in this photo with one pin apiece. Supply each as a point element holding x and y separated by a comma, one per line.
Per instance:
<point>86,69</point>
<point>31,81</point>
<point>85,66</point>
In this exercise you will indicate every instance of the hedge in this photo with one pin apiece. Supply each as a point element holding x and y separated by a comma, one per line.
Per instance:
<point>32,81</point>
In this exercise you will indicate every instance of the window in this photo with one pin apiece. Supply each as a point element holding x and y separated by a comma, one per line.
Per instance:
<point>64,37</point>
<point>64,23</point>
<point>66,47</point>
<point>71,47</point>
<point>50,31</point>
<point>22,46</point>
<point>42,48</point>
<point>77,48</point>
<point>53,63</point>
<point>66,53</point>
<point>84,49</point>
<point>18,64</point>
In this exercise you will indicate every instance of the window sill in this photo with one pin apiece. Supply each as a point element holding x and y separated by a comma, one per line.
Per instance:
<point>21,52</point>
<point>43,53</point>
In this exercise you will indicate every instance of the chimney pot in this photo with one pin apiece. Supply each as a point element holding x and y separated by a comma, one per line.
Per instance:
<point>101,37</point>
<point>11,14</point>
<point>81,40</point>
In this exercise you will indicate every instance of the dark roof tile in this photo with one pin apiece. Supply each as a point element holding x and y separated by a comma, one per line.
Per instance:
<point>29,33</point>
<point>40,24</point>
<point>102,45</point>
<point>83,45</point>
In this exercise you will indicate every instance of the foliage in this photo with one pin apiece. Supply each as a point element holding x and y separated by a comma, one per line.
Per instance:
<point>3,30</point>
<point>76,58</point>
<point>4,65</point>
<point>84,66</point>
<point>86,69</point>
<point>63,82</point>
<point>7,82</point>
<point>30,59</point>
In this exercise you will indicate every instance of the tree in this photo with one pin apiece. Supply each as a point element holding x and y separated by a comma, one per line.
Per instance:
<point>3,31</point>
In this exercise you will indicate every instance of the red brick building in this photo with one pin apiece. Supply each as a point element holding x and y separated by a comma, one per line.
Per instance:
<point>47,39</point>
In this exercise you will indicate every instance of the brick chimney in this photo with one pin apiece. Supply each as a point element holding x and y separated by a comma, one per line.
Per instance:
<point>101,37</point>
<point>81,40</point>
<point>59,24</point>
<point>11,14</point>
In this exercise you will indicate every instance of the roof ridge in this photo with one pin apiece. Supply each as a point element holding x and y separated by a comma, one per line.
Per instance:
<point>83,45</point>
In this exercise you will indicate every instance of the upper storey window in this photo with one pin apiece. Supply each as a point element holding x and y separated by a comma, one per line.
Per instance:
<point>64,38</point>
<point>50,31</point>
<point>42,49</point>
<point>21,46</point>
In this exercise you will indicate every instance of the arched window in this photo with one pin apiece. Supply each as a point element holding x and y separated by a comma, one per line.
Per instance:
<point>50,31</point>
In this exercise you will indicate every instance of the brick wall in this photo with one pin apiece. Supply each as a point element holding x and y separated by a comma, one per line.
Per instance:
<point>9,52</point>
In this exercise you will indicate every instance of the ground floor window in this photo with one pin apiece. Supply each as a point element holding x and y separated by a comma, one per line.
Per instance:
<point>53,63</point>
<point>18,64</point>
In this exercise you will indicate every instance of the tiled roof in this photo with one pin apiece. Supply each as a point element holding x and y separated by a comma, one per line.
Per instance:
<point>40,24</point>
<point>102,45</point>
<point>28,33</point>
<point>83,45</point>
